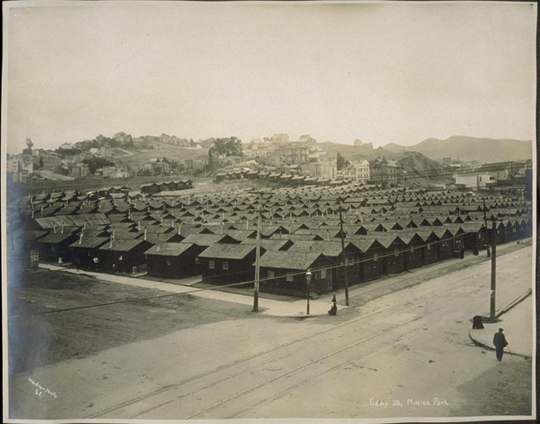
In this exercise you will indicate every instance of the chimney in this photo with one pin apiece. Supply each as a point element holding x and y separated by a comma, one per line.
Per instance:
<point>157,244</point>
<point>62,228</point>
<point>110,242</point>
<point>139,226</point>
<point>81,237</point>
<point>54,228</point>
<point>180,228</point>
<point>327,235</point>
<point>221,228</point>
<point>33,212</point>
<point>145,234</point>
<point>113,233</point>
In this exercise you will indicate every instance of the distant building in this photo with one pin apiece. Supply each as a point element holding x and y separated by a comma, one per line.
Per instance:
<point>51,161</point>
<point>160,166</point>
<point>112,172</point>
<point>356,171</point>
<point>279,138</point>
<point>475,180</point>
<point>194,164</point>
<point>79,170</point>
<point>358,143</point>
<point>293,153</point>
<point>105,152</point>
<point>502,171</point>
<point>322,169</point>
<point>386,172</point>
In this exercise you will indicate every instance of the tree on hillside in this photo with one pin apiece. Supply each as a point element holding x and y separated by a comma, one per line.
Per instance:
<point>231,146</point>
<point>96,163</point>
<point>342,162</point>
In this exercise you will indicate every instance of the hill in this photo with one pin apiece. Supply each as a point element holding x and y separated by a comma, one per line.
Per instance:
<point>420,169</point>
<point>469,149</point>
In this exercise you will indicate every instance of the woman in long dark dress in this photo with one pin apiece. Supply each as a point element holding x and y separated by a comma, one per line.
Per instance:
<point>333,309</point>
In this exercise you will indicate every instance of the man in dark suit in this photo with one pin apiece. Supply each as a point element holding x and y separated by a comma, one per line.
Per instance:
<point>500,343</point>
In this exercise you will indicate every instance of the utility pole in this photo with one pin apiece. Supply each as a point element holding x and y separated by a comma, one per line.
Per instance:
<point>345,266</point>
<point>493,269</point>
<point>257,266</point>
<point>485,218</point>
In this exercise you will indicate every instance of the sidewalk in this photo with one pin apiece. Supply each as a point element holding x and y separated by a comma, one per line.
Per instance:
<point>288,306</point>
<point>517,324</point>
<point>268,307</point>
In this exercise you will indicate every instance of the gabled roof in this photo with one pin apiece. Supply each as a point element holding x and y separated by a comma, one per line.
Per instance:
<point>123,245</point>
<point>289,260</point>
<point>90,242</point>
<point>227,251</point>
<point>208,239</point>
<point>169,249</point>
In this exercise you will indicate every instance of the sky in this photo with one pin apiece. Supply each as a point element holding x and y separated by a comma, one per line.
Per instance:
<point>379,72</point>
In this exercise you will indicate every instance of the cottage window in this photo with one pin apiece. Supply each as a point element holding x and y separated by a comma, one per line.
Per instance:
<point>211,265</point>
<point>289,277</point>
<point>412,249</point>
<point>225,265</point>
<point>168,261</point>
<point>396,252</point>
<point>428,247</point>
<point>271,274</point>
<point>323,274</point>
<point>375,256</point>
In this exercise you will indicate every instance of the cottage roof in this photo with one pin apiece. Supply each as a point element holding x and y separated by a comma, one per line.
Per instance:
<point>122,245</point>
<point>90,242</point>
<point>207,239</point>
<point>330,249</point>
<point>55,238</point>
<point>227,251</point>
<point>169,249</point>
<point>288,260</point>
<point>269,244</point>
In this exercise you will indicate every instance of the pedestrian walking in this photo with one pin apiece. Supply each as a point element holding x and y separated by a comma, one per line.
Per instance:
<point>499,340</point>
<point>333,309</point>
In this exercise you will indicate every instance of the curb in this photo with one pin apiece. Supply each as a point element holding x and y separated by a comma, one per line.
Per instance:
<point>479,343</point>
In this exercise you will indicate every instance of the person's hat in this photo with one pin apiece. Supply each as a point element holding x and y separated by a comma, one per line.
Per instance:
<point>500,329</point>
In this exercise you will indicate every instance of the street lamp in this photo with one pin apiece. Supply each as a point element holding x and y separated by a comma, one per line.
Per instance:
<point>308,279</point>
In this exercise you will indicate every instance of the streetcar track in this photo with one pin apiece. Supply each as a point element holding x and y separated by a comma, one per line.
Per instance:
<point>231,364</point>
<point>285,345</point>
<point>311,362</point>
<point>330,370</point>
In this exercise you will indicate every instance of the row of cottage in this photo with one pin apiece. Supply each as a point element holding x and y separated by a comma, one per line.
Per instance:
<point>384,232</point>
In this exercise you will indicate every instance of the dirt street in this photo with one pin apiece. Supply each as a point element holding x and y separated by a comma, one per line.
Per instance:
<point>405,354</point>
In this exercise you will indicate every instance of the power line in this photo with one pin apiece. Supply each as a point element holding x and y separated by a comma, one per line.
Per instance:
<point>220,287</point>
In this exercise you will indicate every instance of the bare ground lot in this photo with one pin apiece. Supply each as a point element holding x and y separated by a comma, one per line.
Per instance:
<point>38,340</point>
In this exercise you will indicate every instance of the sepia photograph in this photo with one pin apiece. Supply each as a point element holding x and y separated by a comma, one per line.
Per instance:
<point>305,210</point>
